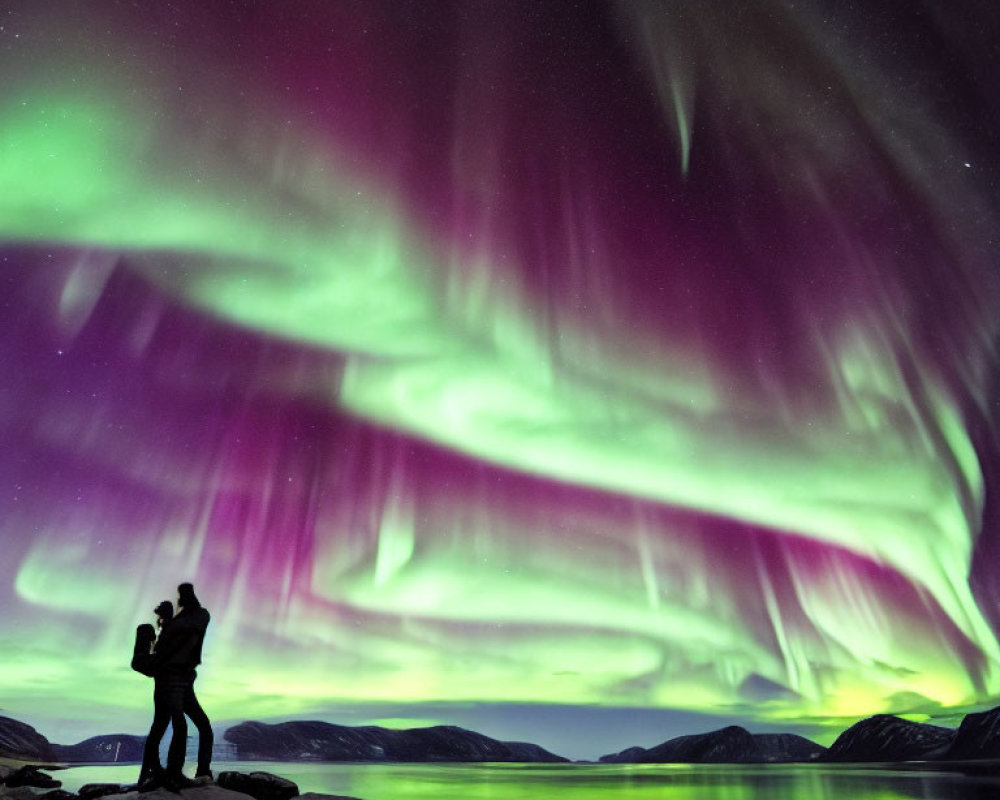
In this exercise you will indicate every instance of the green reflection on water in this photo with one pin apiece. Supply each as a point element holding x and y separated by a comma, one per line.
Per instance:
<point>602,781</point>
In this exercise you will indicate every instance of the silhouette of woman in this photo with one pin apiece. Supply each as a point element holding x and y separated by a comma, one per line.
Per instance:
<point>145,660</point>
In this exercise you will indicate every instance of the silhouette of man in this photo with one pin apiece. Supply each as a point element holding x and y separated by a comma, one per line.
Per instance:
<point>176,654</point>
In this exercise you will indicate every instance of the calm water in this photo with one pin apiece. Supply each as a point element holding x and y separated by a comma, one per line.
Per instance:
<point>597,781</point>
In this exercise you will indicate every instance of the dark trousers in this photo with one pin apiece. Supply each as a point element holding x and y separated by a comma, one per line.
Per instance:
<point>173,698</point>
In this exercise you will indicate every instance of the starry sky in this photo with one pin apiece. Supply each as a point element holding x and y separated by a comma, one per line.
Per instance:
<point>584,373</point>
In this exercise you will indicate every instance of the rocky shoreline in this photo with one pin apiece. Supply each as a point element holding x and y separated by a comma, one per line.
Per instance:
<point>26,781</point>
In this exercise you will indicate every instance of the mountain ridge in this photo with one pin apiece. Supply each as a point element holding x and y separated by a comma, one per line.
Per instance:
<point>879,738</point>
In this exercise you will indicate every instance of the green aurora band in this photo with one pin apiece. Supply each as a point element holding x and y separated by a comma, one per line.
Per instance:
<point>280,233</point>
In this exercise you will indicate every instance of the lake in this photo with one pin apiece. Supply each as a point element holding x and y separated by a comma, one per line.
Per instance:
<point>598,781</point>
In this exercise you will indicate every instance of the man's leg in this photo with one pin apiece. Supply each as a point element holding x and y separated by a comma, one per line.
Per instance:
<point>173,693</point>
<point>206,738</point>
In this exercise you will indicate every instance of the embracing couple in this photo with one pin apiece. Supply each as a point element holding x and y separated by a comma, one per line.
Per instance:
<point>169,655</point>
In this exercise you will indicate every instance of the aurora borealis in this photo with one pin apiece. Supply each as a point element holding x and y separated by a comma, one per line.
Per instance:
<point>502,355</point>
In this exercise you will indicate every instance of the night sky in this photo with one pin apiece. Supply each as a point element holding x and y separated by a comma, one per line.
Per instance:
<point>583,373</point>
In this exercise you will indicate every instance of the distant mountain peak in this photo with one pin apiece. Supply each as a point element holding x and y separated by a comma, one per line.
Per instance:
<point>730,745</point>
<point>322,741</point>
<point>885,737</point>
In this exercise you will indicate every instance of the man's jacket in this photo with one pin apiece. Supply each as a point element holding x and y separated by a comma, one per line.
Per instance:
<point>179,646</point>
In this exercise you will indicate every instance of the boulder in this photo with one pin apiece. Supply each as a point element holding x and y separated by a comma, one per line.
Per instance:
<point>194,793</point>
<point>318,796</point>
<point>30,775</point>
<point>17,793</point>
<point>58,794</point>
<point>259,785</point>
<point>89,791</point>
<point>203,793</point>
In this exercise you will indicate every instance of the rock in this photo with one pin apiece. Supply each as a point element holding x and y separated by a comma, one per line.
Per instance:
<point>23,741</point>
<point>17,793</point>
<point>107,748</point>
<point>207,793</point>
<point>89,791</point>
<point>888,738</point>
<point>321,741</point>
<point>977,737</point>
<point>318,796</point>
<point>157,794</point>
<point>58,794</point>
<point>259,785</point>
<point>195,793</point>
<point>30,775</point>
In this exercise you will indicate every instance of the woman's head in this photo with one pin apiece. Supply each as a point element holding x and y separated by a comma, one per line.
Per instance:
<point>164,610</point>
<point>186,598</point>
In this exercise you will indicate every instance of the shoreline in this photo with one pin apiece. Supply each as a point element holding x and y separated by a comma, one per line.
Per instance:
<point>16,762</point>
<point>992,764</point>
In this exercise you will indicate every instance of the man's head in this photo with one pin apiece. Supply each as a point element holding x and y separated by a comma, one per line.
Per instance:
<point>186,598</point>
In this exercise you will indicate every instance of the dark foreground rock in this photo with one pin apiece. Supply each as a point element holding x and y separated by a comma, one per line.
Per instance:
<point>259,785</point>
<point>730,745</point>
<point>317,796</point>
<point>90,791</point>
<point>58,794</point>
<point>888,738</point>
<point>321,741</point>
<point>977,737</point>
<point>31,775</point>
<point>97,749</point>
<point>198,793</point>
<point>19,793</point>
<point>18,740</point>
<point>252,786</point>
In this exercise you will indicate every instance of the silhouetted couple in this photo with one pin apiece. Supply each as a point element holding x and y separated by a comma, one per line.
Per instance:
<point>170,656</point>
